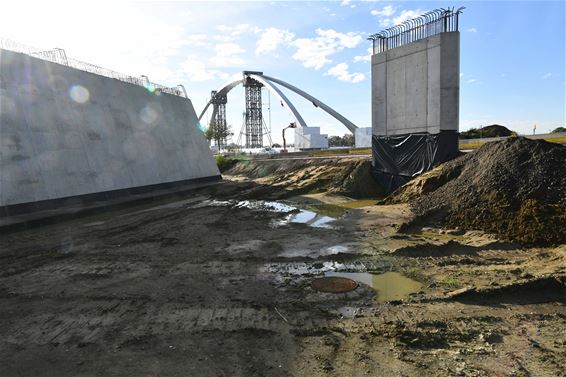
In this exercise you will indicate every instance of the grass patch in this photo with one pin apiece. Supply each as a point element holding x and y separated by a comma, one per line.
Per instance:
<point>224,163</point>
<point>451,281</point>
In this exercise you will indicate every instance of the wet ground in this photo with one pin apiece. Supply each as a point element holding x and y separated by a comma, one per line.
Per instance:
<point>219,283</point>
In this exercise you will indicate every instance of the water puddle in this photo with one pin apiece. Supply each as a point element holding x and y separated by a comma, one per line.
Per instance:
<point>388,286</point>
<point>311,218</point>
<point>360,203</point>
<point>314,219</point>
<point>281,269</point>
<point>95,223</point>
<point>325,209</point>
<point>331,250</point>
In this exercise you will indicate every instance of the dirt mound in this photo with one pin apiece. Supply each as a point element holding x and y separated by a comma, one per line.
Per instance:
<point>495,130</point>
<point>515,188</point>
<point>544,289</point>
<point>349,177</point>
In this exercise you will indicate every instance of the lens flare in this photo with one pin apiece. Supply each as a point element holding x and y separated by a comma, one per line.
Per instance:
<point>79,94</point>
<point>148,114</point>
<point>150,88</point>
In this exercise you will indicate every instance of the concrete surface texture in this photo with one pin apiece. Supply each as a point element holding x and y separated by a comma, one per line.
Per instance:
<point>310,138</point>
<point>66,132</point>
<point>415,87</point>
<point>362,137</point>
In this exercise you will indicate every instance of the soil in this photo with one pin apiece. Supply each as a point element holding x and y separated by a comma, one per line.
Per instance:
<point>351,177</point>
<point>217,282</point>
<point>514,188</point>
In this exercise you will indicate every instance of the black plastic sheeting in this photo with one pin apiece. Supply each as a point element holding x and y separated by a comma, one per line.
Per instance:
<point>400,158</point>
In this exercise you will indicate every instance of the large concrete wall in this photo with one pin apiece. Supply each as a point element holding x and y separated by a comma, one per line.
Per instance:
<point>66,132</point>
<point>415,88</point>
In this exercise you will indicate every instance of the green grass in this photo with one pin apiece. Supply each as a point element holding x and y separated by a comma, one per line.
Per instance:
<point>224,163</point>
<point>451,281</point>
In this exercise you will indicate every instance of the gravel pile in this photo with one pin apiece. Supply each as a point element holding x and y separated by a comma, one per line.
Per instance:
<point>515,188</point>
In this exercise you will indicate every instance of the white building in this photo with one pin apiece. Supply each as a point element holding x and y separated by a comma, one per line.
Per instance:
<point>363,137</point>
<point>310,138</point>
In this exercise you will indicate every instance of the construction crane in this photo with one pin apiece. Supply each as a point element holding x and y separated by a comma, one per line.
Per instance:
<point>291,125</point>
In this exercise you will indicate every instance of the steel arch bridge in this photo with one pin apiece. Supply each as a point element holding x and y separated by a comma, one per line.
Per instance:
<point>253,82</point>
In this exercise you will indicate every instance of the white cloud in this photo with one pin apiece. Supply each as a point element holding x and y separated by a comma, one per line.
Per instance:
<point>364,58</point>
<point>385,19</point>
<point>195,40</point>
<point>472,81</point>
<point>387,11</point>
<point>196,71</point>
<point>547,75</point>
<point>315,52</point>
<point>340,71</point>
<point>239,29</point>
<point>271,39</point>
<point>347,3</point>
<point>472,30</point>
<point>125,44</point>
<point>227,55</point>
<point>407,15</point>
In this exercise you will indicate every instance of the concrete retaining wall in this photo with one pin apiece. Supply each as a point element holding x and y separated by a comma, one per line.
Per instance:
<point>415,88</point>
<point>66,132</point>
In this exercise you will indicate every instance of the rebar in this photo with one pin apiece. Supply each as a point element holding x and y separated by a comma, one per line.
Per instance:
<point>59,56</point>
<point>428,24</point>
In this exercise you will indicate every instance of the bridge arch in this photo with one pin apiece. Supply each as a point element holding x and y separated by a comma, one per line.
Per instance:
<point>269,83</point>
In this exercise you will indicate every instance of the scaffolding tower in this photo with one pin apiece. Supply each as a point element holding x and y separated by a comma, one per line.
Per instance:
<point>218,122</point>
<point>253,115</point>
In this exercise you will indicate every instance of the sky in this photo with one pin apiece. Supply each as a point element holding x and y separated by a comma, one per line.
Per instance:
<point>512,60</point>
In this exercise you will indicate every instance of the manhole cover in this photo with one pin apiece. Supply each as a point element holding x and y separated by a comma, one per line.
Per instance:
<point>334,284</point>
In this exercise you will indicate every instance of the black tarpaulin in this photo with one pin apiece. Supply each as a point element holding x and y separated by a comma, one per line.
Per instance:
<point>398,159</point>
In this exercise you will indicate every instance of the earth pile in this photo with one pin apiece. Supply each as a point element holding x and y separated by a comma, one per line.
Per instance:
<point>515,188</point>
<point>351,177</point>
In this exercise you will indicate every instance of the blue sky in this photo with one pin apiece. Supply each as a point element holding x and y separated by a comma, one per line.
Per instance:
<point>512,52</point>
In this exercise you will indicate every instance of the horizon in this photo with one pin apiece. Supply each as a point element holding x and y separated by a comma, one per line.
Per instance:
<point>326,55</point>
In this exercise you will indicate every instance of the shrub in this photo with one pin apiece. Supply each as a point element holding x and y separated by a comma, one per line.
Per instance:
<point>224,163</point>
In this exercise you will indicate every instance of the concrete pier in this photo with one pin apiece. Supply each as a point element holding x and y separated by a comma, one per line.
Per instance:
<point>67,133</point>
<point>415,107</point>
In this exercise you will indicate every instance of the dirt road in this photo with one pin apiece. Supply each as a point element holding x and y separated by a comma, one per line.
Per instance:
<point>218,283</point>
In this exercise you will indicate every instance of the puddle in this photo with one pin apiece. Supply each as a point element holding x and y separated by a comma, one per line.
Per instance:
<point>348,311</point>
<point>265,206</point>
<point>314,219</point>
<point>95,223</point>
<point>360,203</point>
<point>330,210</point>
<point>388,286</point>
<point>309,218</point>
<point>331,250</point>
<point>301,268</point>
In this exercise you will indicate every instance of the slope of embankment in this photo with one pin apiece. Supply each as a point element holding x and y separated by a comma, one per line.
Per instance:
<point>346,176</point>
<point>515,188</point>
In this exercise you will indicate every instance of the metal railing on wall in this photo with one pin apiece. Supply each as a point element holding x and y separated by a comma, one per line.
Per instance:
<point>58,55</point>
<point>431,23</point>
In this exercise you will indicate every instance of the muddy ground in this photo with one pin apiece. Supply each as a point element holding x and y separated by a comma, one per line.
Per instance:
<point>217,282</point>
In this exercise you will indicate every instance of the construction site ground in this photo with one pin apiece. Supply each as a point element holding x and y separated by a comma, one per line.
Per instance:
<point>217,282</point>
